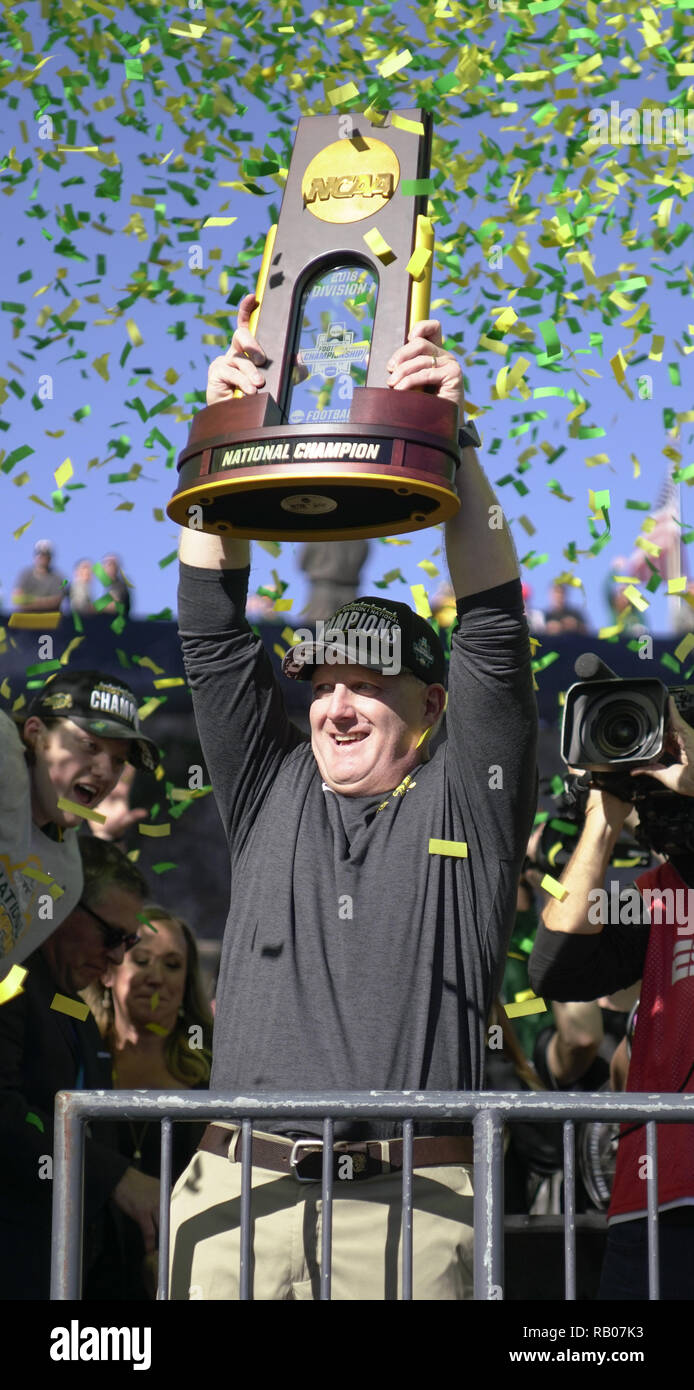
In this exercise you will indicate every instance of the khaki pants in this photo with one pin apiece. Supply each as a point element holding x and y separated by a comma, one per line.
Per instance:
<point>286,1223</point>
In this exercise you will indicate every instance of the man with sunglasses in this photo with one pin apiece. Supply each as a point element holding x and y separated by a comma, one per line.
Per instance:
<point>43,1049</point>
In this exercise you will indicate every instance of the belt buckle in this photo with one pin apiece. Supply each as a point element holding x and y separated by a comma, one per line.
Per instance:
<point>293,1160</point>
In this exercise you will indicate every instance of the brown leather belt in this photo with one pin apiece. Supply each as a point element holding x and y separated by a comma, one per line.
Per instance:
<point>303,1158</point>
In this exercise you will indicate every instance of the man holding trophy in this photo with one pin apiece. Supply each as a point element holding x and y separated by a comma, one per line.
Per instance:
<point>373,881</point>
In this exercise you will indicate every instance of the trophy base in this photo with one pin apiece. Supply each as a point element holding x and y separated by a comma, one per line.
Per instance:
<point>316,505</point>
<point>388,469</point>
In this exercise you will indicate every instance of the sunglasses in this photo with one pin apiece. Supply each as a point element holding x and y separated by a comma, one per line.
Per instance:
<point>113,936</point>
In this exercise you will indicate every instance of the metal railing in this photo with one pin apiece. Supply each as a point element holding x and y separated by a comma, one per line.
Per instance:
<point>489,1112</point>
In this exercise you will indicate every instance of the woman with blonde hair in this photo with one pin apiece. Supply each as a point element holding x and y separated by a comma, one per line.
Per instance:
<point>153,1014</point>
<point>153,1011</point>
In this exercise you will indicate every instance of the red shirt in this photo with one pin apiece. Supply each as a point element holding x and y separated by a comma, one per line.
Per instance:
<point>662,1052</point>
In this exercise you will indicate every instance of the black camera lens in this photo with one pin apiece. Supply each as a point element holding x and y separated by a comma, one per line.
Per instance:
<point>614,722</point>
<point>620,730</point>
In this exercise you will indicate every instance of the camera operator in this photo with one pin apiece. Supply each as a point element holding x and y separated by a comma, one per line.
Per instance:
<point>574,958</point>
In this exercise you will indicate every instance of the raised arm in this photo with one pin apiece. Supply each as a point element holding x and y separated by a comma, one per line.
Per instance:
<point>586,869</point>
<point>242,723</point>
<point>237,368</point>
<point>479,547</point>
<point>573,958</point>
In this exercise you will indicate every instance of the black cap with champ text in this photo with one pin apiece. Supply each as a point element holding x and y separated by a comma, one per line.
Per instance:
<point>380,634</point>
<point>99,703</point>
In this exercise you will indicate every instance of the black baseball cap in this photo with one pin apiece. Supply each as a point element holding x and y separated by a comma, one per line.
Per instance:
<point>100,703</point>
<point>373,632</point>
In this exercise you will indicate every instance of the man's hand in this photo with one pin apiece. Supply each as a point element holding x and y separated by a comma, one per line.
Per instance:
<point>423,362</point>
<point>608,808</point>
<point>138,1196</point>
<point>239,365</point>
<point>679,741</point>
<point>116,808</point>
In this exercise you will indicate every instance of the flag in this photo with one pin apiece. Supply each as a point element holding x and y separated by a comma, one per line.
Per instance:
<point>661,545</point>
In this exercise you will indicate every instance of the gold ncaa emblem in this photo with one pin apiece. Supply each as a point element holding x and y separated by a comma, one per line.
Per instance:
<point>61,700</point>
<point>346,182</point>
<point>308,504</point>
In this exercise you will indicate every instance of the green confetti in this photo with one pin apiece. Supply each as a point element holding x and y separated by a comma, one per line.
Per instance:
<point>671,663</point>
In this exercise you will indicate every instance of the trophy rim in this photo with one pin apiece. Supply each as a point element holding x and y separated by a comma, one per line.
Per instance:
<point>446,497</point>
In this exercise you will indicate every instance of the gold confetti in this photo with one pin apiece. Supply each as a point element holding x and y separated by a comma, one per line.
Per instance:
<point>64,473</point>
<point>522,1007</point>
<point>394,62</point>
<point>379,246</point>
<point>343,93</point>
<point>421,601</point>
<point>74,1008</point>
<point>149,707</point>
<point>457,849</point>
<point>418,262</point>
<point>685,646</point>
<point>64,804</point>
<point>34,620</point>
<point>13,983</point>
<point>556,889</point>
<point>635,598</point>
<point>402,123</point>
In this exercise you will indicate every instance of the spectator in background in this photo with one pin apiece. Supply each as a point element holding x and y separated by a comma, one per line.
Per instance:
<point>81,597</point>
<point>118,587</point>
<point>333,569</point>
<point>622,612</point>
<point>39,588</point>
<point>44,1050</point>
<point>560,616</point>
<point>260,609</point>
<point>63,750</point>
<point>152,1010</point>
<point>535,616</point>
<point>155,1021</point>
<point>443,609</point>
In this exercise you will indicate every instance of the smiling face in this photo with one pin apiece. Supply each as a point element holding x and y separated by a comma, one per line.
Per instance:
<point>149,985</point>
<point>365,727</point>
<point>70,762</point>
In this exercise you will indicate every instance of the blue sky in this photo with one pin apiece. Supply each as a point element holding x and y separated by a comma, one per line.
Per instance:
<point>485,168</point>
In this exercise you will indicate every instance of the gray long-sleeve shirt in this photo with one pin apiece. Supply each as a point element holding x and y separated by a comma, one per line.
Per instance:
<point>354,958</point>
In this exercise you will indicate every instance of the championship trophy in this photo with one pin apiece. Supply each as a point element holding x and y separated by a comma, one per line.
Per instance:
<point>326,451</point>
